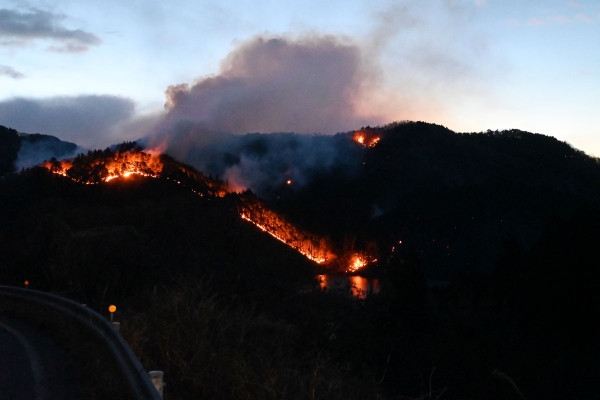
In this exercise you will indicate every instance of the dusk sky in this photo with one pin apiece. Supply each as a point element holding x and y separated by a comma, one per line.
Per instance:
<point>101,72</point>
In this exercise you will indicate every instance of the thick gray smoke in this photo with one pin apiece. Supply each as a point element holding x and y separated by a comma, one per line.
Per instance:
<point>307,85</point>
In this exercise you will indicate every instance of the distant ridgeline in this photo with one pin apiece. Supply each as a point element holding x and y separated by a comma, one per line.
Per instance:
<point>21,150</point>
<point>452,199</point>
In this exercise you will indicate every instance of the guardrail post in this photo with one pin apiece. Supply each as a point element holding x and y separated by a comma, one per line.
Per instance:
<point>157,380</point>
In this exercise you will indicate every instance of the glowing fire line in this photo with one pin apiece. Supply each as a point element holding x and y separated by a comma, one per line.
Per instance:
<point>318,260</point>
<point>126,165</point>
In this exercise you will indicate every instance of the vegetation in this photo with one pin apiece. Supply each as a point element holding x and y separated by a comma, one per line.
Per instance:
<point>228,312</point>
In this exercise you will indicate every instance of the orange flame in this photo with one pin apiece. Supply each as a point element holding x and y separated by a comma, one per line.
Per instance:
<point>58,167</point>
<point>366,138</point>
<point>360,287</point>
<point>127,163</point>
<point>122,164</point>
<point>138,163</point>
<point>357,261</point>
<point>311,246</point>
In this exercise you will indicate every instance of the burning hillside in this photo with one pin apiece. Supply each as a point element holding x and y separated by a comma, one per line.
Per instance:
<point>103,166</point>
<point>366,137</point>
<point>128,160</point>
<point>313,247</point>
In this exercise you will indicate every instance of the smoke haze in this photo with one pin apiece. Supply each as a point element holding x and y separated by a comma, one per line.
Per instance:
<point>265,163</point>
<point>89,121</point>
<point>35,150</point>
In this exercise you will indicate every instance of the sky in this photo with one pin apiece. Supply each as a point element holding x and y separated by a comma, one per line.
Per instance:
<point>98,73</point>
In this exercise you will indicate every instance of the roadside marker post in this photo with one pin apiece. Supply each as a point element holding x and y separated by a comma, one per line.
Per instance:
<point>111,309</point>
<point>157,378</point>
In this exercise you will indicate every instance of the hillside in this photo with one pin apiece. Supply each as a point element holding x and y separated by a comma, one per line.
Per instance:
<point>109,242</point>
<point>452,199</point>
<point>228,311</point>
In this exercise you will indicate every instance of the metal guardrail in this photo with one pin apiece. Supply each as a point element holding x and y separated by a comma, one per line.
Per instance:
<point>136,377</point>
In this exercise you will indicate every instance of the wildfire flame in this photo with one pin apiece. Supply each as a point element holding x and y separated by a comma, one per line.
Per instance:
<point>366,138</point>
<point>121,164</point>
<point>100,167</point>
<point>311,246</point>
<point>357,261</point>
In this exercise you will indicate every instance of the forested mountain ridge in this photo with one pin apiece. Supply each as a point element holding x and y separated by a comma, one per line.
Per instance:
<point>509,221</point>
<point>452,198</point>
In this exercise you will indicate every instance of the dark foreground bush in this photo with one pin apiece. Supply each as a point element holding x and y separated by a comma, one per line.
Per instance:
<point>212,348</point>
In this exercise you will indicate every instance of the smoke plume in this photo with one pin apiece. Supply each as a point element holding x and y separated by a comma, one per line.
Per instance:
<point>307,85</point>
<point>313,84</point>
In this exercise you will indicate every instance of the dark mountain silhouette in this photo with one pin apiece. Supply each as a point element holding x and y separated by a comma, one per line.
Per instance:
<point>507,220</point>
<point>22,150</point>
<point>9,148</point>
<point>452,199</point>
